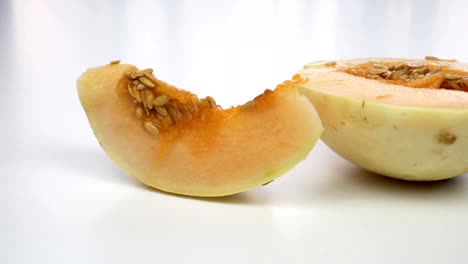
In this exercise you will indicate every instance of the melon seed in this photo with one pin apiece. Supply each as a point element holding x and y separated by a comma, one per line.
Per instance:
<point>413,66</point>
<point>174,114</point>
<point>393,76</point>
<point>247,105</point>
<point>424,70</point>
<point>452,77</point>
<point>377,70</point>
<point>143,95</point>
<point>404,77</point>
<point>432,58</point>
<point>267,91</point>
<point>115,62</point>
<point>161,100</point>
<point>151,77</point>
<point>149,99</point>
<point>161,110</point>
<point>130,89</point>
<point>463,84</point>
<point>167,121</point>
<point>211,101</point>
<point>150,127</point>
<point>400,67</point>
<point>136,94</point>
<point>137,74</point>
<point>194,104</point>
<point>148,70</point>
<point>146,81</point>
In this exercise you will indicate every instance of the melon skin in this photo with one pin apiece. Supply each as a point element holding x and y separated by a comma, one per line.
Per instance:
<point>207,159</point>
<point>403,142</point>
<point>399,142</point>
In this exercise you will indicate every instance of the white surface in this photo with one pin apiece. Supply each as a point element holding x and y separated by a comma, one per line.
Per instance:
<point>63,201</point>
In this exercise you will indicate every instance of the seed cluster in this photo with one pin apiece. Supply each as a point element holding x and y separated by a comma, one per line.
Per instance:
<point>158,109</point>
<point>410,72</point>
<point>401,72</point>
<point>456,82</point>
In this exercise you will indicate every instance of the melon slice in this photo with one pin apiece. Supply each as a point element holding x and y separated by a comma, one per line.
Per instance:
<point>171,140</point>
<point>405,119</point>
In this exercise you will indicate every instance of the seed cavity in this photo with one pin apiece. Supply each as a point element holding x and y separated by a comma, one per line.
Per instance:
<point>408,74</point>
<point>162,111</point>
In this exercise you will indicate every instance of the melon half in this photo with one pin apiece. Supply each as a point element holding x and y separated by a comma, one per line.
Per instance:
<point>406,119</point>
<point>171,140</point>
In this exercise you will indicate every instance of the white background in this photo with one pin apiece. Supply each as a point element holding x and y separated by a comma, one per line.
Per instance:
<point>63,201</point>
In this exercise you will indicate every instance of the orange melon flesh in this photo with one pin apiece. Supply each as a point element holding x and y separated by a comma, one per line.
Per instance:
<point>413,133</point>
<point>215,153</point>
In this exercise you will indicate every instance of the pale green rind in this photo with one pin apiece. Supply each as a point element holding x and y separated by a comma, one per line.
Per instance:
<point>395,141</point>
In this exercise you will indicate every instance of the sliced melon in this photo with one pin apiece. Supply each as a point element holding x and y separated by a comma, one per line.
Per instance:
<point>171,140</point>
<point>406,119</point>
